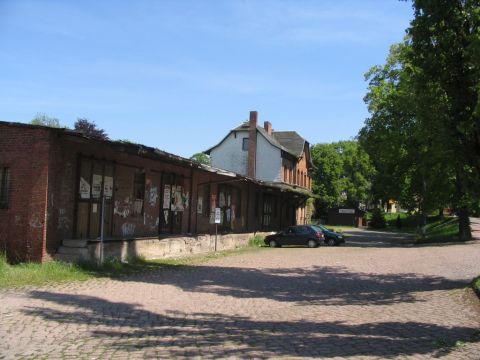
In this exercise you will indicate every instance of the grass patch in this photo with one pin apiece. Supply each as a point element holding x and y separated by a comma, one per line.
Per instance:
<point>440,229</point>
<point>55,272</point>
<point>39,274</point>
<point>257,241</point>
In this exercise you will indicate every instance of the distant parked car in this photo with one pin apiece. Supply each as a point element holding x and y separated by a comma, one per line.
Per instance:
<point>332,238</point>
<point>306,235</point>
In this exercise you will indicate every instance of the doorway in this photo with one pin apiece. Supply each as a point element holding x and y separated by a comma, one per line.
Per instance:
<point>94,181</point>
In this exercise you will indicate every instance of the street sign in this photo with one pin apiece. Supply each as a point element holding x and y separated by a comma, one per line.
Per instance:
<point>218,216</point>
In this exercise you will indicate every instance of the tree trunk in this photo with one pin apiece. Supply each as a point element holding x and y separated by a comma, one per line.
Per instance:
<point>464,230</point>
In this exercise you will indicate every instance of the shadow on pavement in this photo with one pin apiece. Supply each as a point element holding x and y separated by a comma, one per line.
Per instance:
<point>127,327</point>
<point>325,285</point>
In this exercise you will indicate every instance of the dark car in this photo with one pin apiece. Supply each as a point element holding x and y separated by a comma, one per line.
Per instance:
<point>306,235</point>
<point>332,238</point>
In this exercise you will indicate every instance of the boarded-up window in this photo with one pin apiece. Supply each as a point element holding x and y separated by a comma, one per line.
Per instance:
<point>138,192</point>
<point>4,187</point>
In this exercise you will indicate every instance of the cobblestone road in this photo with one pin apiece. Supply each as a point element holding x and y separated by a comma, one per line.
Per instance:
<point>368,300</point>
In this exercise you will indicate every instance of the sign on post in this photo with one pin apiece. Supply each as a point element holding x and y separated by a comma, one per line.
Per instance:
<point>218,216</point>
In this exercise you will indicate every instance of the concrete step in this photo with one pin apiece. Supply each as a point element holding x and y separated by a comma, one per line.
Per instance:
<point>81,252</point>
<point>75,243</point>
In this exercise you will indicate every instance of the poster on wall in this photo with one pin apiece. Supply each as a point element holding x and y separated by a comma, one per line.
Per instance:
<point>177,199</point>
<point>200,205</point>
<point>166,197</point>
<point>152,195</point>
<point>96,186</point>
<point>84,189</point>
<point>108,186</point>
<point>221,199</point>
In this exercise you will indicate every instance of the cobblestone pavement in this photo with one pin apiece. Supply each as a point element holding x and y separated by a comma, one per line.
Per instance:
<point>371,299</point>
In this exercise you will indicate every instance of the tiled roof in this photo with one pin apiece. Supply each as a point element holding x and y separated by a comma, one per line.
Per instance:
<point>291,140</point>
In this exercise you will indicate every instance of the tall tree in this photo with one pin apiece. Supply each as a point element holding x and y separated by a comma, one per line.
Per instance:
<point>89,128</point>
<point>45,120</point>
<point>342,174</point>
<point>445,36</point>
<point>403,138</point>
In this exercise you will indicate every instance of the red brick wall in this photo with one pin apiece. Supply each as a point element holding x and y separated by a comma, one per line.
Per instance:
<point>25,151</point>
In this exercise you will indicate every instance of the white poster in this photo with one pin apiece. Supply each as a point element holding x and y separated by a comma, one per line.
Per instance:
<point>177,199</point>
<point>200,205</point>
<point>218,216</point>
<point>108,186</point>
<point>96,186</point>
<point>84,189</point>
<point>152,195</point>
<point>166,197</point>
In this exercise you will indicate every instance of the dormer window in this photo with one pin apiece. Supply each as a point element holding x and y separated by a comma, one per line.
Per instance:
<point>245,144</point>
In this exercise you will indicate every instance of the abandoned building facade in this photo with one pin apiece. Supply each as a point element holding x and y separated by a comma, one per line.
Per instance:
<point>58,185</point>
<point>279,158</point>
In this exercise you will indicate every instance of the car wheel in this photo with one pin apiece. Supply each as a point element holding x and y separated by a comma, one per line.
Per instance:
<point>273,243</point>
<point>312,243</point>
<point>331,242</point>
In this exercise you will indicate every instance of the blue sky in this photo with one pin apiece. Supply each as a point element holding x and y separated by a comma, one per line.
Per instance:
<point>178,75</point>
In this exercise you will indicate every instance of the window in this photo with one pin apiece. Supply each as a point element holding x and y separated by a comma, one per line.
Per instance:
<point>138,193</point>
<point>245,144</point>
<point>4,187</point>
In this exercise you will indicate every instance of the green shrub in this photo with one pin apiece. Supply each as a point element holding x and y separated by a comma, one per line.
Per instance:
<point>256,241</point>
<point>378,219</point>
<point>476,285</point>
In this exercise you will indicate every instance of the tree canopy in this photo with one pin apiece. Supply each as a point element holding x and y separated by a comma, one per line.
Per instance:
<point>201,158</point>
<point>89,128</point>
<point>45,120</point>
<point>423,131</point>
<point>342,174</point>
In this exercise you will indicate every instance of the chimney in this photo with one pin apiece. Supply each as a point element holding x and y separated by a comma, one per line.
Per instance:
<point>252,144</point>
<point>268,127</point>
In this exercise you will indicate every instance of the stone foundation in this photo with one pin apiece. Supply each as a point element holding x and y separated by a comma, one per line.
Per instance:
<point>171,247</point>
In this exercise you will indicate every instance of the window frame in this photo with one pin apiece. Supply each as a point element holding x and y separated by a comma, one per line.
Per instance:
<point>4,187</point>
<point>245,144</point>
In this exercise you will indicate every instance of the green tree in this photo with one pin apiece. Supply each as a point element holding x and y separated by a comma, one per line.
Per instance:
<point>201,158</point>
<point>445,36</point>
<point>44,120</point>
<point>342,174</point>
<point>403,137</point>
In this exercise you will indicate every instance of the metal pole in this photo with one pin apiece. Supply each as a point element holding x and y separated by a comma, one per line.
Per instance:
<point>101,230</point>
<point>216,227</point>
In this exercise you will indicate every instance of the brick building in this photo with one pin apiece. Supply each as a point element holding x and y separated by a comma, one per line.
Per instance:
<point>53,183</point>
<point>280,158</point>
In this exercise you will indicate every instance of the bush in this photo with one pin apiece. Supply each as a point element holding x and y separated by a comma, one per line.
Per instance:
<point>256,241</point>
<point>476,285</point>
<point>378,219</point>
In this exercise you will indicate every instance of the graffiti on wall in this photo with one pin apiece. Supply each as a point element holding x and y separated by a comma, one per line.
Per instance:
<point>122,208</point>
<point>153,195</point>
<point>128,229</point>
<point>35,222</point>
<point>63,220</point>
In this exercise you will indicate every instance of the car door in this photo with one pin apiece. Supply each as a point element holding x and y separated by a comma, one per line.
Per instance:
<point>289,236</point>
<point>302,235</point>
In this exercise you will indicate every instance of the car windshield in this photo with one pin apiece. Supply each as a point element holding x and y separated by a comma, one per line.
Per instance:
<point>320,227</point>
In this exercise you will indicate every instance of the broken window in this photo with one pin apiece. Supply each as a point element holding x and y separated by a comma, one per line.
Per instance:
<point>4,187</point>
<point>138,192</point>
